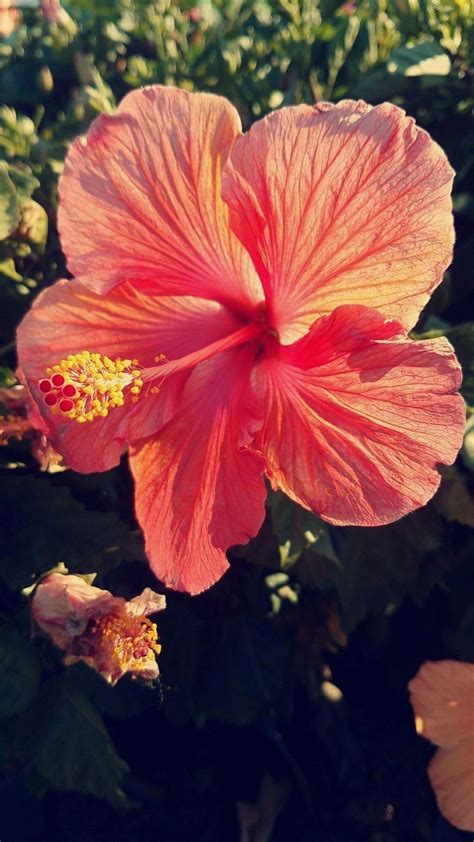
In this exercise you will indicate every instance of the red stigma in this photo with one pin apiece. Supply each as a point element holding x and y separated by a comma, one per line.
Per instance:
<point>45,386</point>
<point>57,380</point>
<point>50,399</point>
<point>69,390</point>
<point>66,405</point>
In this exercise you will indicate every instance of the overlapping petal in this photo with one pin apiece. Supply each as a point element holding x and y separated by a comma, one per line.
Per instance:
<point>345,204</point>
<point>451,773</point>
<point>357,417</point>
<point>69,318</point>
<point>140,199</point>
<point>442,695</point>
<point>199,490</point>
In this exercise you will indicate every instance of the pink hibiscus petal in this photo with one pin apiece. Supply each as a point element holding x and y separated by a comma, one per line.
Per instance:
<point>199,490</point>
<point>140,199</point>
<point>358,417</point>
<point>442,695</point>
<point>62,605</point>
<point>68,318</point>
<point>148,602</point>
<point>344,204</point>
<point>451,773</point>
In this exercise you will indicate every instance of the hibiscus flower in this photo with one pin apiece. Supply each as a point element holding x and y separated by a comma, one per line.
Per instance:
<point>89,624</point>
<point>240,309</point>
<point>442,695</point>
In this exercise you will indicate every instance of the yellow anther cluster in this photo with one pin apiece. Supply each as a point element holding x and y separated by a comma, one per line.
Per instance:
<point>127,642</point>
<point>100,384</point>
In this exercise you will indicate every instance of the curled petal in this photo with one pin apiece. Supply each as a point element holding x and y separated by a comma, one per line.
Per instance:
<point>140,199</point>
<point>451,773</point>
<point>198,489</point>
<point>344,204</point>
<point>68,318</point>
<point>62,606</point>
<point>442,696</point>
<point>358,417</point>
<point>13,398</point>
<point>148,602</point>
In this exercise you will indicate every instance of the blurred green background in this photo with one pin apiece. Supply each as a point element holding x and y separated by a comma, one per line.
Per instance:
<point>282,712</point>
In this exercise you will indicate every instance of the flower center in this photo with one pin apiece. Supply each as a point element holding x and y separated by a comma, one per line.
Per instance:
<point>117,644</point>
<point>125,642</point>
<point>262,316</point>
<point>88,385</point>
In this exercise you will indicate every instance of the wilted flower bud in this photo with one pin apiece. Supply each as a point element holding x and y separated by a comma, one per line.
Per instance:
<point>15,424</point>
<point>23,421</point>
<point>89,624</point>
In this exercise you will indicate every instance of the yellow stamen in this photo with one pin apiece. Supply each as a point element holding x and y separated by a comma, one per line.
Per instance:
<point>126,642</point>
<point>88,385</point>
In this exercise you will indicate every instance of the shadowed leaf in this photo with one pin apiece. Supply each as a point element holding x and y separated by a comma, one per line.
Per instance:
<point>42,525</point>
<point>19,671</point>
<point>69,747</point>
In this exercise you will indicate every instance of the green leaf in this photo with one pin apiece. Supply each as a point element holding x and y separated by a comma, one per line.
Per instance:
<point>409,68</point>
<point>376,568</point>
<point>24,180</point>
<point>381,85</point>
<point>9,204</point>
<point>7,378</point>
<point>68,747</point>
<point>463,204</point>
<point>8,270</point>
<point>41,524</point>
<point>298,530</point>
<point>33,223</point>
<point>454,500</point>
<point>425,59</point>
<point>247,672</point>
<point>17,132</point>
<point>19,672</point>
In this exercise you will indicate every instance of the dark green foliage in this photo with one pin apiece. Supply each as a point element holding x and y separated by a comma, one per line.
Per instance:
<point>243,666</point>
<point>20,670</point>
<point>66,745</point>
<point>43,525</point>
